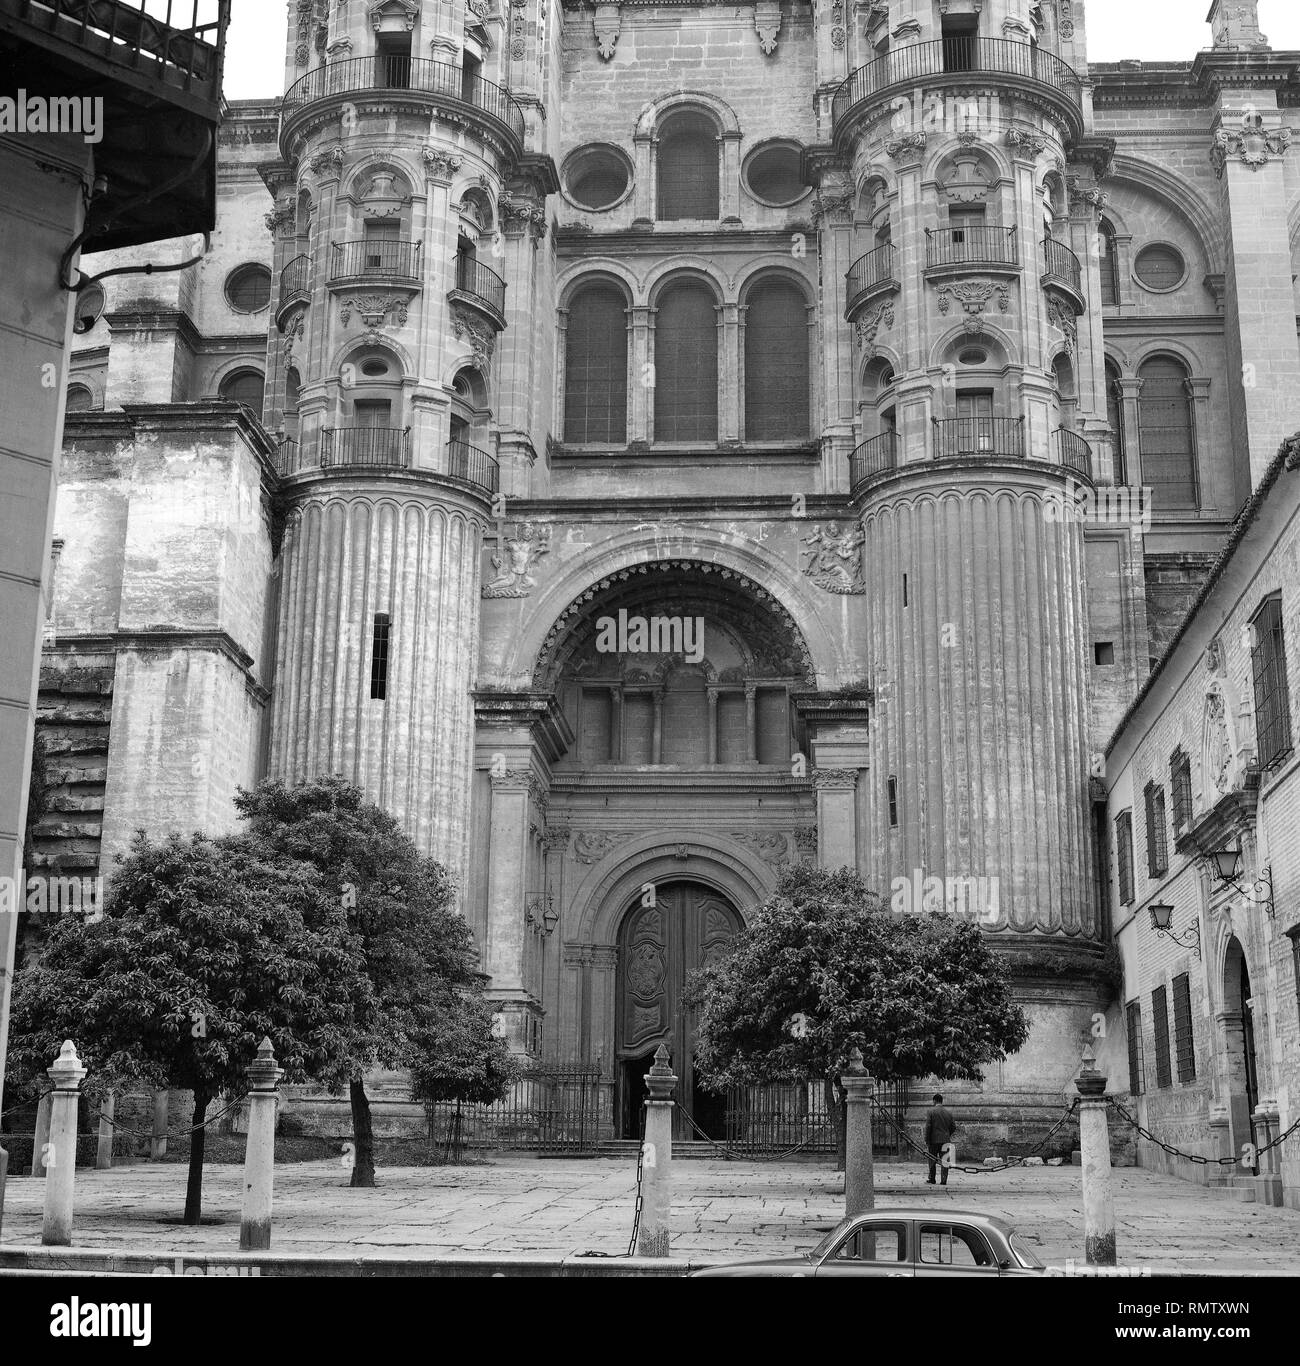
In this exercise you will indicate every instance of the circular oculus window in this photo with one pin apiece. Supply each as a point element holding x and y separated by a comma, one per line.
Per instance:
<point>248,289</point>
<point>597,177</point>
<point>973,355</point>
<point>1160,268</point>
<point>772,175</point>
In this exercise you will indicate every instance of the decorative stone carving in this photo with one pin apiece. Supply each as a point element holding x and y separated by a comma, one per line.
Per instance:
<point>556,840</point>
<point>805,840</point>
<point>1027,142</point>
<point>375,310</point>
<point>772,849</point>
<point>1292,447</point>
<point>767,24</point>
<point>866,328</point>
<point>1252,144</point>
<point>1082,193</point>
<point>302,52</point>
<point>606,25</point>
<point>512,780</point>
<point>328,162</point>
<point>1065,18</point>
<point>481,337</point>
<point>516,558</point>
<point>1216,745</point>
<point>592,845</point>
<point>283,218</point>
<point>440,165</point>
<point>518,214</point>
<point>909,28</point>
<point>1062,318</point>
<point>973,295</point>
<point>909,148</point>
<point>1016,30</point>
<point>835,559</point>
<point>382,8</point>
<point>835,779</point>
<point>293,330</point>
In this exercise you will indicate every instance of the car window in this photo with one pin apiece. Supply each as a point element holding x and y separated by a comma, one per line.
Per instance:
<point>1026,1254</point>
<point>952,1245</point>
<point>875,1243</point>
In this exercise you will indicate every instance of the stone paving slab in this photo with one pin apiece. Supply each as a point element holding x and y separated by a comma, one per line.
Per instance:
<point>723,1210</point>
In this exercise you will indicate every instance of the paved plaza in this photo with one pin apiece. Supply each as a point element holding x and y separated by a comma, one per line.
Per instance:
<point>722,1211</point>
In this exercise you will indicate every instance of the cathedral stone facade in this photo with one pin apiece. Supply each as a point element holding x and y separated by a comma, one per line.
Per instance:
<point>679,441</point>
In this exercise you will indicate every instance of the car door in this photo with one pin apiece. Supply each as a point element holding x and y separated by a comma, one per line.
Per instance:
<point>878,1247</point>
<point>948,1248</point>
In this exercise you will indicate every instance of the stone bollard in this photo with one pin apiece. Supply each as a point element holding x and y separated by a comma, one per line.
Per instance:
<point>859,1173</point>
<point>1094,1142</point>
<point>66,1074</point>
<point>158,1143</point>
<point>41,1139</point>
<point>657,1159</point>
<point>4,1176</point>
<point>104,1151</point>
<point>259,1155</point>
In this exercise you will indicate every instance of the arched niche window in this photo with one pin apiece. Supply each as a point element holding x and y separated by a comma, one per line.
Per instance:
<point>1167,433</point>
<point>79,399</point>
<point>1115,419</point>
<point>595,367</point>
<point>776,362</point>
<point>1109,265</point>
<point>1063,374</point>
<point>686,365</point>
<point>372,391</point>
<point>878,390</point>
<point>469,409</point>
<point>244,386</point>
<point>687,167</point>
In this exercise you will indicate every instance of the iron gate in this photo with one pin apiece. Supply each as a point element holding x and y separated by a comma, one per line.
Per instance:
<point>767,1119</point>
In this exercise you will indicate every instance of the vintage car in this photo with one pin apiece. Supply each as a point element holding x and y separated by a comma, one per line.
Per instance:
<point>904,1242</point>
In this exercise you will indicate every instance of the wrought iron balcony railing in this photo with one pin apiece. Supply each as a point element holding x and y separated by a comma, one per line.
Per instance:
<point>473,465</point>
<point>481,283</point>
<point>388,72</point>
<point>369,447</point>
<point>1061,266</point>
<point>386,256</point>
<point>875,456</point>
<point>948,58</point>
<point>980,437</point>
<point>1073,451</point>
<point>979,245</point>
<point>289,458</point>
<point>876,270</point>
<point>295,280</point>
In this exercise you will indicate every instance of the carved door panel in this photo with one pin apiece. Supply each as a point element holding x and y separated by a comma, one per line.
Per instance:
<point>661,945</point>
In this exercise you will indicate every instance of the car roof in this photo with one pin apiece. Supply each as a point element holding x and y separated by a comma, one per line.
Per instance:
<point>934,1216</point>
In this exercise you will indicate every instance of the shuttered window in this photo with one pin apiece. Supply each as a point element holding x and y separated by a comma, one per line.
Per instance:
<point>776,363</point>
<point>1124,855</point>
<point>1184,1045</point>
<point>1160,1024</point>
<point>1272,702</point>
<point>687,168</point>
<point>1157,841</point>
<point>1134,1019</point>
<point>1180,773</point>
<point>686,366</point>
<point>1166,434</point>
<point>595,368</point>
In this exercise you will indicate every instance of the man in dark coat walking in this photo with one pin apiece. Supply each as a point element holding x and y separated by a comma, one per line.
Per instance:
<point>939,1129</point>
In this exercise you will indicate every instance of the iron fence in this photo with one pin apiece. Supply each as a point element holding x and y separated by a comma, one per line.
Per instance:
<point>295,280</point>
<point>978,245</point>
<point>1073,451</point>
<point>873,457</point>
<point>388,256</point>
<point>376,447</point>
<point>482,282</point>
<point>1060,263</point>
<point>875,270</point>
<point>474,465</point>
<point>989,437</point>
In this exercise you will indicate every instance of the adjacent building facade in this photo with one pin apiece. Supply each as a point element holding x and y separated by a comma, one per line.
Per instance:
<point>693,439</point>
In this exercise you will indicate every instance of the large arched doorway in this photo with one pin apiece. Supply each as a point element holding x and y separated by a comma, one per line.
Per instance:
<point>666,934</point>
<point>1242,1063</point>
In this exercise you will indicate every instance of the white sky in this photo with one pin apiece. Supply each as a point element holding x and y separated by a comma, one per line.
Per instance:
<point>1147,29</point>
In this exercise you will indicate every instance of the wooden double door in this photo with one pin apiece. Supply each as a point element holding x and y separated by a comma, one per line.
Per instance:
<point>685,927</point>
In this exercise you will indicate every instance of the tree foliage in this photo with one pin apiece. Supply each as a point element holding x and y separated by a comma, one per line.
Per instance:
<point>825,967</point>
<point>458,1058</point>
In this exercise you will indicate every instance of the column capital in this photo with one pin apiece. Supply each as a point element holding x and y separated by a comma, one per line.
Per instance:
<point>835,779</point>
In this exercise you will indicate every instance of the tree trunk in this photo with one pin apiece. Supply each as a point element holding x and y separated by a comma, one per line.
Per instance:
<point>363,1135</point>
<point>839,1115</point>
<point>194,1183</point>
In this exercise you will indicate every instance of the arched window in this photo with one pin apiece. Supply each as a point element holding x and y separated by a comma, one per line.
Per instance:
<point>79,400</point>
<point>244,386</point>
<point>1115,417</point>
<point>1063,374</point>
<point>1166,436</point>
<point>1109,266</point>
<point>776,362</point>
<point>595,367</point>
<point>687,168</point>
<point>686,365</point>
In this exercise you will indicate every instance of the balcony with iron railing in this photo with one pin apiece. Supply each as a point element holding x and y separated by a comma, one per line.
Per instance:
<point>873,457</point>
<point>870,275</point>
<point>1073,452</point>
<point>954,61</point>
<point>488,105</point>
<point>1062,271</point>
<point>295,288</point>
<point>979,246</point>
<point>482,288</point>
<point>377,258</point>
<point>984,438</point>
<point>473,465</point>
<point>378,448</point>
<point>157,67</point>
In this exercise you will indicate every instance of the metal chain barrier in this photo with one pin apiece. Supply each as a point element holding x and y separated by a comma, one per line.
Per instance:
<point>136,1133</point>
<point>26,1105</point>
<point>1200,1161</point>
<point>974,1171</point>
<point>640,1175</point>
<point>729,1154</point>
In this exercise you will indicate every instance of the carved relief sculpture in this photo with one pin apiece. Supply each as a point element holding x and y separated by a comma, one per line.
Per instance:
<point>1252,144</point>
<point>606,25</point>
<point>835,560</point>
<point>516,559</point>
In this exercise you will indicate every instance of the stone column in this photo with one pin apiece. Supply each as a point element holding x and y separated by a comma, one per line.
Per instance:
<point>751,723</point>
<point>657,751</point>
<point>640,355</point>
<point>859,1175</point>
<point>67,1075</point>
<point>1129,389</point>
<point>507,869</point>
<point>259,1155</point>
<point>656,1159</point>
<point>104,1152</point>
<point>1094,1143</point>
<point>42,1136</point>
<point>713,725</point>
<point>616,724</point>
<point>729,390</point>
<point>158,1143</point>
